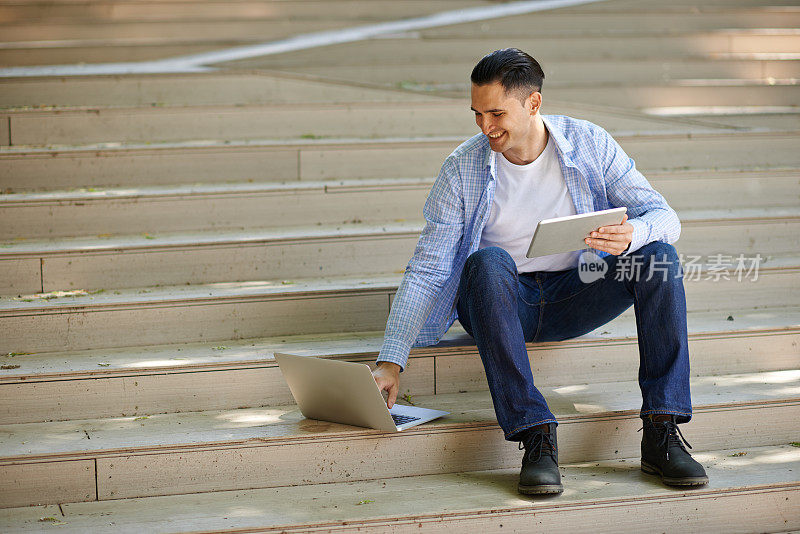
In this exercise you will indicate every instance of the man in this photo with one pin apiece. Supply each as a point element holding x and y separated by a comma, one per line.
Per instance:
<point>470,263</point>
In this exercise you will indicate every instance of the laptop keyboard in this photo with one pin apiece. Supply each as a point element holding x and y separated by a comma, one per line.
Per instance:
<point>403,419</point>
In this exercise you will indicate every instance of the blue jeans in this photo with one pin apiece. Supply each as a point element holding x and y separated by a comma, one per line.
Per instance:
<point>503,310</point>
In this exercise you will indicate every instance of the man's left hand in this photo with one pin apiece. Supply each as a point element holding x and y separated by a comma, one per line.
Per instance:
<point>613,239</point>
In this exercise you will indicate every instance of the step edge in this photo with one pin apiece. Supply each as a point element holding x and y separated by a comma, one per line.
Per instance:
<point>535,507</point>
<point>348,142</point>
<point>460,347</point>
<point>194,240</point>
<point>349,435</point>
<point>342,287</point>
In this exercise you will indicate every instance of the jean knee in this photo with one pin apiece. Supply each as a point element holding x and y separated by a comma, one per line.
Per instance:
<point>660,250</point>
<point>488,264</point>
<point>661,257</point>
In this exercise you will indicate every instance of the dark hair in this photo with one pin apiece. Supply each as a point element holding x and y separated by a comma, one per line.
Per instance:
<point>513,68</point>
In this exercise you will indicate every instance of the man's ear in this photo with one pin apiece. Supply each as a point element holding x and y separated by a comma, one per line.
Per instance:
<point>535,100</point>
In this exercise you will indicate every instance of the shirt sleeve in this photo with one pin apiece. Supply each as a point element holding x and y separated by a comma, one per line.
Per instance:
<point>430,266</point>
<point>648,212</point>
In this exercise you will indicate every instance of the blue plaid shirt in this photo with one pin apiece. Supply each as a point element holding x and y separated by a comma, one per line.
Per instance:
<point>598,174</point>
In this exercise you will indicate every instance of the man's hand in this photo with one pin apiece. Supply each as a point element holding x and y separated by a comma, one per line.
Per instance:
<point>387,376</point>
<point>613,239</point>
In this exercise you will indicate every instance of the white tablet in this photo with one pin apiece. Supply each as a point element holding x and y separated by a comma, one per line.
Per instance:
<point>565,234</point>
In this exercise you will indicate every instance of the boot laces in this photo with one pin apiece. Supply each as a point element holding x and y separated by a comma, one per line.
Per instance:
<point>540,442</point>
<point>671,436</point>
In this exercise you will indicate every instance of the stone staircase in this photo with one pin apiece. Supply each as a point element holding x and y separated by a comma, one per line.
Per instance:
<point>161,236</point>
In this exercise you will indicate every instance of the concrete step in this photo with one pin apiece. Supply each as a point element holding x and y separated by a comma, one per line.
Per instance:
<point>471,501</point>
<point>568,72</point>
<point>234,31</point>
<point>547,49</point>
<point>149,124</point>
<point>201,257</point>
<point>24,54</point>
<point>752,489</point>
<point>22,94</point>
<point>689,93</point>
<point>215,206</point>
<point>681,6</point>
<point>170,454</point>
<point>776,119</point>
<point>137,381</point>
<point>215,10</point>
<point>664,18</point>
<point>166,90</point>
<point>109,262</point>
<point>79,320</point>
<point>135,165</point>
<point>259,161</point>
<point>152,124</point>
<point>166,209</point>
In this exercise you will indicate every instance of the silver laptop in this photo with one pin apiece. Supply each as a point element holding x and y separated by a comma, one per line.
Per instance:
<point>346,392</point>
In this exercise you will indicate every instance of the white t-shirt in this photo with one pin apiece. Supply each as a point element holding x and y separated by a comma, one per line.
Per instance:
<point>523,196</point>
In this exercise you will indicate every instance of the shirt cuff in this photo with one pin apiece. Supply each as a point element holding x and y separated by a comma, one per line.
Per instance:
<point>394,351</point>
<point>640,233</point>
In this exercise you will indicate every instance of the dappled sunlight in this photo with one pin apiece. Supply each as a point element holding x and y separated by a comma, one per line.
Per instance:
<point>768,319</point>
<point>590,408</point>
<point>774,377</point>
<point>771,456</point>
<point>77,435</point>
<point>54,295</point>
<point>764,56</point>
<point>102,193</point>
<point>126,421</point>
<point>779,457</point>
<point>244,511</point>
<point>566,390</point>
<point>216,355</point>
<point>251,417</point>
<point>249,284</point>
<point>160,363</point>
<point>670,111</point>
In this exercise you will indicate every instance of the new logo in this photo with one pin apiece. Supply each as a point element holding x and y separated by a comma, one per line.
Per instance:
<point>592,267</point>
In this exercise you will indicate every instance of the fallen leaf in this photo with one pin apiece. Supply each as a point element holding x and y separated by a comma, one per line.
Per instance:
<point>51,520</point>
<point>408,398</point>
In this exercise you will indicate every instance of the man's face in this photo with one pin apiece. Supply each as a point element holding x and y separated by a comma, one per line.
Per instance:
<point>502,117</point>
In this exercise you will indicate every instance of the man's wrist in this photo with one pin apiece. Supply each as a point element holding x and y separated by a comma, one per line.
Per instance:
<point>389,365</point>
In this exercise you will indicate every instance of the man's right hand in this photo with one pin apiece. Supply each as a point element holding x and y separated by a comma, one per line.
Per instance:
<point>387,376</point>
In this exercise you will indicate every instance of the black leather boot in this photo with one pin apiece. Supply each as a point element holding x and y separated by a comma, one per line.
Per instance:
<point>663,454</point>
<point>540,473</point>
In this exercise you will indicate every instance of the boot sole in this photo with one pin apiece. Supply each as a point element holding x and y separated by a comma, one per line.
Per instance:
<point>651,469</point>
<point>540,490</point>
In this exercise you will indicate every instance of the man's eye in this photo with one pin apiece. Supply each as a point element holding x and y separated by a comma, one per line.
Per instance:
<point>497,114</point>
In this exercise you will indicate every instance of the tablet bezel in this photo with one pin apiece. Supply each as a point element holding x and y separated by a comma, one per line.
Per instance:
<point>567,234</point>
